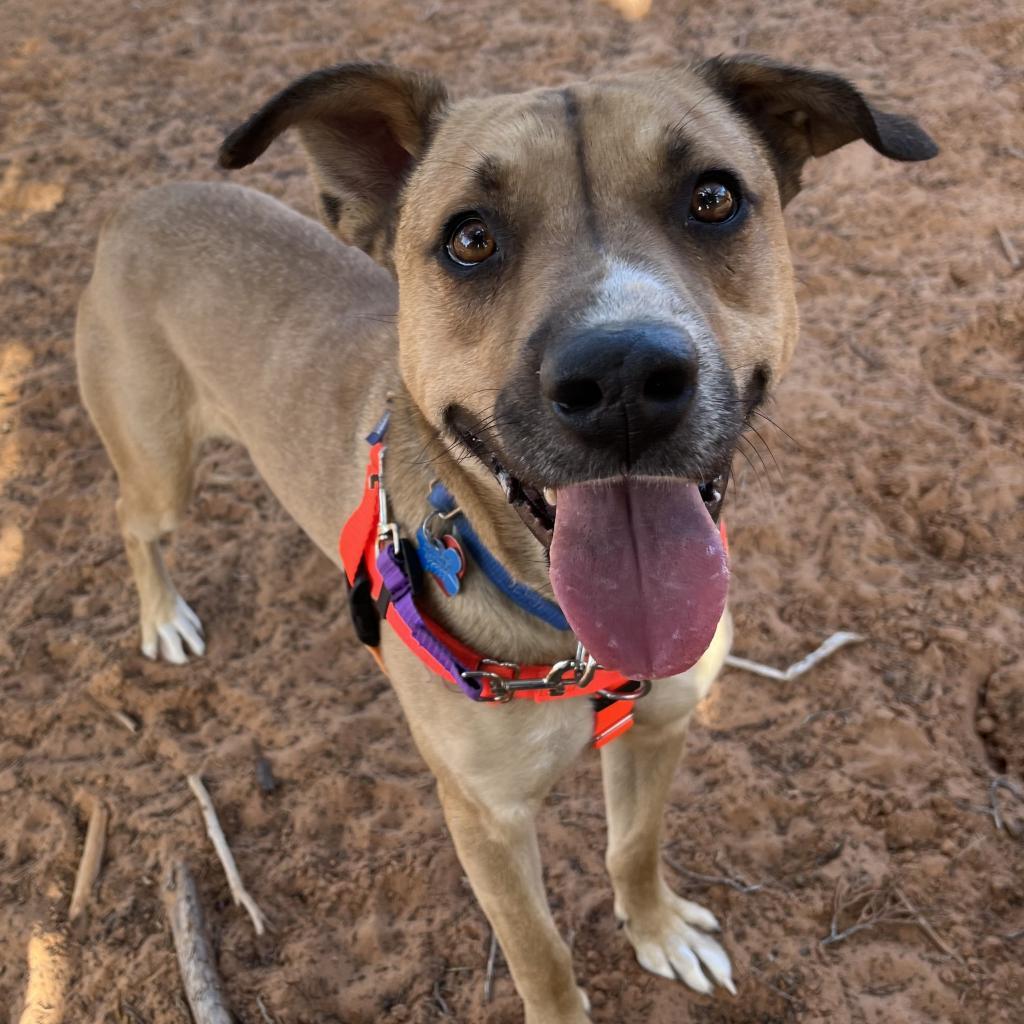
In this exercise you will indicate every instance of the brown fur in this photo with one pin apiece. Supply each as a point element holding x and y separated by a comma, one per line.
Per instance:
<point>216,311</point>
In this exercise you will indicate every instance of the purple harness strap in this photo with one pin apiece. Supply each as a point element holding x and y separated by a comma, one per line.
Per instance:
<point>399,592</point>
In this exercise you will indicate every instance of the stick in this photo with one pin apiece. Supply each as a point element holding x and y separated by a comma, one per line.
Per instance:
<point>92,858</point>
<point>492,958</point>
<point>195,958</point>
<point>888,905</point>
<point>47,980</point>
<point>123,718</point>
<point>227,860</point>
<point>439,1000</point>
<point>774,988</point>
<point>798,668</point>
<point>263,1011</point>
<point>733,883</point>
<point>1009,249</point>
<point>119,716</point>
<point>924,925</point>
<point>998,783</point>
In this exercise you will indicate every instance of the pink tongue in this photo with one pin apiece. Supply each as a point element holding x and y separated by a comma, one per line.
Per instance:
<point>641,574</point>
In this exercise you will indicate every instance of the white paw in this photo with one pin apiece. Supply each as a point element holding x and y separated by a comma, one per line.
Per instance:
<point>170,638</point>
<point>673,943</point>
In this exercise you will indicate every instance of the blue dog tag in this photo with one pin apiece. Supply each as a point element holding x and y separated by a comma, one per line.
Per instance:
<point>443,559</point>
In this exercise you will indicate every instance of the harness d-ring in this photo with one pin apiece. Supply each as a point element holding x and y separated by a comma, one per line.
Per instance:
<point>642,691</point>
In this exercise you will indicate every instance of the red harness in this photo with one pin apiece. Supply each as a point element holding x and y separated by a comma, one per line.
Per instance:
<point>364,538</point>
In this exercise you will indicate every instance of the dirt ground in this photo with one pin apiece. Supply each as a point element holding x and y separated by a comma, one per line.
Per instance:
<point>893,507</point>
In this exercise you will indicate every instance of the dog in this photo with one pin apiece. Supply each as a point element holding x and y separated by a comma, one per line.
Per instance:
<point>567,303</point>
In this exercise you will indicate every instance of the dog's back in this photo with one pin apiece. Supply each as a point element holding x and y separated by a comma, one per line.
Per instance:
<point>226,257</point>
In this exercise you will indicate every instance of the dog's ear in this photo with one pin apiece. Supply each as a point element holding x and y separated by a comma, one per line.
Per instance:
<point>800,113</point>
<point>363,127</point>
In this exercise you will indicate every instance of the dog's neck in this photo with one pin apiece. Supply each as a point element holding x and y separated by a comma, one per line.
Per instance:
<point>416,457</point>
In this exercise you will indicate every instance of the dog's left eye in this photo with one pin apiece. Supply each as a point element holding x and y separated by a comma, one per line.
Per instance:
<point>714,201</point>
<point>471,242</point>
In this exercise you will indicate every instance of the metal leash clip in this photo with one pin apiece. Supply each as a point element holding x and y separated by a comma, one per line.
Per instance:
<point>500,690</point>
<point>433,517</point>
<point>582,668</point>
<point>386,530</point>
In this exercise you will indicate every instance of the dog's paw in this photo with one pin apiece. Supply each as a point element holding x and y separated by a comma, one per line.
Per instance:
<point>168,639</point>
<point>672,942</point>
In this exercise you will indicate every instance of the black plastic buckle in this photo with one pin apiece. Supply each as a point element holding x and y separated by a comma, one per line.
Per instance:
<point>361,606</point>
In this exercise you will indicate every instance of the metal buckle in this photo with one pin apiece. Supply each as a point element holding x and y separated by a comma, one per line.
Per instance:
<point>427,526</point>
<point>582,666</point>
<point>386,530</point>
<point>645,688</point>
<point>501,690</point>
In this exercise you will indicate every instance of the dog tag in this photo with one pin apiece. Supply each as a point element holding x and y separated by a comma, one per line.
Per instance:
<point>443,559</point>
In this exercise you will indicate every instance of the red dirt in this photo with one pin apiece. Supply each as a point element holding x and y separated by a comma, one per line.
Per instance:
<point>896,512</point>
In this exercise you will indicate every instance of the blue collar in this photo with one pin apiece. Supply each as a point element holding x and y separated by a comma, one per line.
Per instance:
<point>525,597</point>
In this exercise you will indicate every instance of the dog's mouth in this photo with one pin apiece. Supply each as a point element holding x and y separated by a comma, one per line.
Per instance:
<point>636,562</point>
<point>536,504</point>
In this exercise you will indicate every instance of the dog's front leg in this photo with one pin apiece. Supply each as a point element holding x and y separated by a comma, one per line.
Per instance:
<point>667,932</point>
<point>497,844</point>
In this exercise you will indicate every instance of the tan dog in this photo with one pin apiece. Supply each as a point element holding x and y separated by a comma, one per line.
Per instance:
<point>593,284</point>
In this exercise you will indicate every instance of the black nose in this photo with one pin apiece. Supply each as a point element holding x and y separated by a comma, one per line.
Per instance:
<point>621,386</point>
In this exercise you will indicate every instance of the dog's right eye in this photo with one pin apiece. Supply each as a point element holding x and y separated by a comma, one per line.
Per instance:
<point>714,201</point>
<point>471,242</point>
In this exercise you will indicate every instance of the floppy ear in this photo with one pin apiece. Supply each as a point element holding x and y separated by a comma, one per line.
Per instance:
<point>800,113</point>
<point>363,127</point>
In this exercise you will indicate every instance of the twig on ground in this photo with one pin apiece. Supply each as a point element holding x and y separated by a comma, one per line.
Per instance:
<point>48,974</point>
<point>998,783</point>
<point>119,716</point>
<point>872,361</point>
<point>265,775</point>
<point>923,924</point>
<point>263,1011</point>
<point>762,980</point>
<point>798,668</point>
<point>129,1011</point>
<point>1013,936</point>
<point>123,718</point>
<point>872,911</point>
<point>492,959</point>
<point>196,962</point>
<point>238,891</point>
<point>1009,249</point>
<point>733,883</point>
<point>821,712</point>
<point>876,906</point>
<point>978,839</point>
<point>92,858</point>
<point>439,1000</point>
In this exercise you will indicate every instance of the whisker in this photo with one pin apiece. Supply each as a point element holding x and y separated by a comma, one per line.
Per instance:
<point>767,448</point>
<point>781,430</point>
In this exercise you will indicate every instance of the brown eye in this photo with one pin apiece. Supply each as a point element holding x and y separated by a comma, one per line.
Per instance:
<point>471,242</point>
<point>713,202</point>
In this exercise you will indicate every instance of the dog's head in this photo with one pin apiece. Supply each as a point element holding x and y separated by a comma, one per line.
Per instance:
<point>596,294</point>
